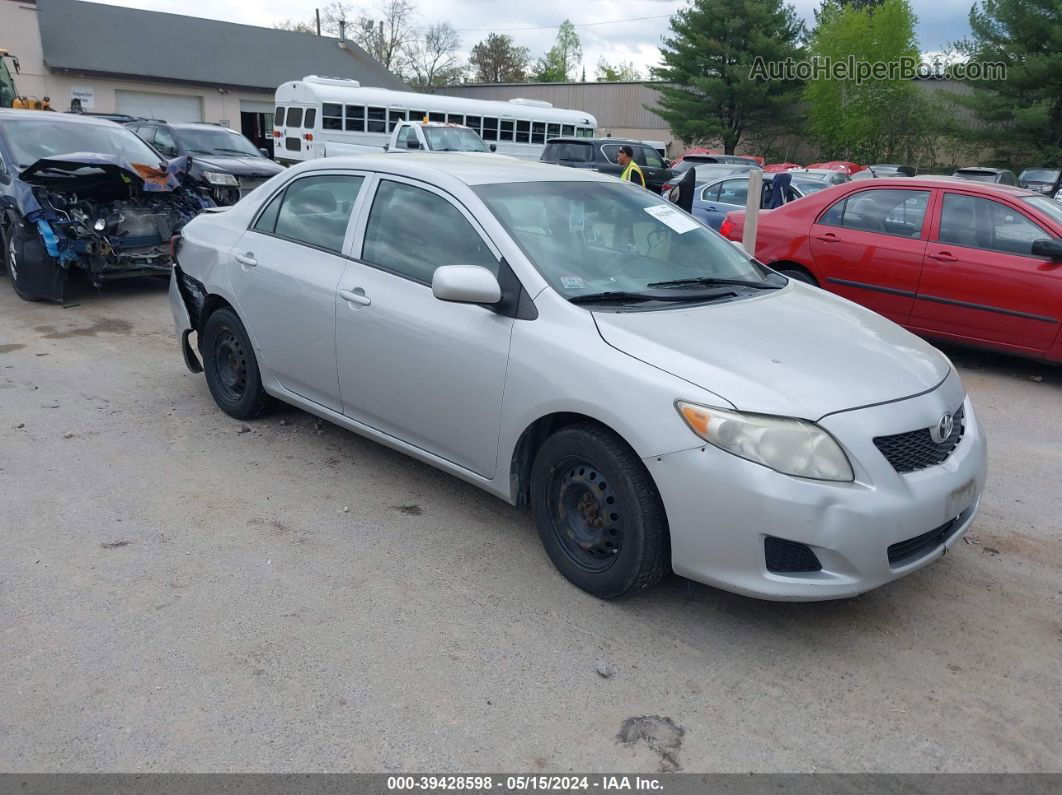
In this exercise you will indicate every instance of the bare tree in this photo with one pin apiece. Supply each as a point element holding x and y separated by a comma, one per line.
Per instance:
<point>296,25</point>
<point>432,58</point>
<point>387,33</point>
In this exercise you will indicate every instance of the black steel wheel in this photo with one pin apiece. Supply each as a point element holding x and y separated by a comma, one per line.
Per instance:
<point>13,237</point>
<point>598,512</point>
<point>231,367</point>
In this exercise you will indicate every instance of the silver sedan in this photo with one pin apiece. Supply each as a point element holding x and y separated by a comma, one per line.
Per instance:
<point>568,341</point>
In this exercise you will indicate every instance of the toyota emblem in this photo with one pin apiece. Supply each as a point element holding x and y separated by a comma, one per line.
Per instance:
<point>942,430</point>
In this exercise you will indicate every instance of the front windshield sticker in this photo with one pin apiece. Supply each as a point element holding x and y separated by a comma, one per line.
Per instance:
<point>576,214</point>
<point>671,217</point>
<point>572,282</point>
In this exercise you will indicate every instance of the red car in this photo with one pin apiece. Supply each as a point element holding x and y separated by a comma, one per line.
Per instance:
<point>845,166</point>
<point>954,260</point>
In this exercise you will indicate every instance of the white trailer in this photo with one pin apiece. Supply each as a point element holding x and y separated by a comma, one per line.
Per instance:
<point>328,116</point>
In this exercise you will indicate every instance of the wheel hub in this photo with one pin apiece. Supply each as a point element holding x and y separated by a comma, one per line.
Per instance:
<point>585,514</point>
<point>230,365</point>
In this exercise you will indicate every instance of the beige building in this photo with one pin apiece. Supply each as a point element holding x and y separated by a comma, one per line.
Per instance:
<point>166,66</point>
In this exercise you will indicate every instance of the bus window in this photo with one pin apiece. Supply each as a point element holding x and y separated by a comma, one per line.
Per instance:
<point>568,130</point>
<point>584,132</point>
<point>395,116</point>
<point>332,116</point>
<point>455,118</point>
<point>377,120</point>
<point>355,118</point>
<point>523,132</point>
<point>311,119</point>
<point>473,122</point>
<point>538,132</point>
<point>294,117</point>
<point>418,115</point>
<point>506,133</point>
<point>439,117</point>
<point>553,131</point>
<point>278,119</point>
<point>490,129</point>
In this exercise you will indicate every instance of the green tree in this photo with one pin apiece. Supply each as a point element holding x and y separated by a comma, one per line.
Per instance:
<point>709,92</point>
<point>497,59</point>
<point>562,62</point>
<point>1022,111</point>
<point>624,71</point>
<point>867,120</point>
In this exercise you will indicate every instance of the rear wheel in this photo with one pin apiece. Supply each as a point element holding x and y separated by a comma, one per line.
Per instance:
<point>598,513</point>
<point>797,274</point>
<point>231,367</point>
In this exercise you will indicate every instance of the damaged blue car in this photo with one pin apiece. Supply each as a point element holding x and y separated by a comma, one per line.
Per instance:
<point>86,194</point>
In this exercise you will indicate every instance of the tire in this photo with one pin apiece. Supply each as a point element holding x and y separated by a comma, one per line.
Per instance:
<point>12,237</point>
<point>799,274</point>
<point>231,367</point>
<point>599,516</point>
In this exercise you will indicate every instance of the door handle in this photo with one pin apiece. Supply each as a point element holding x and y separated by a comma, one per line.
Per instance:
<point>356,296</point>
<point>246,259</point>
<point>943,256</point>
<point>829,237</point>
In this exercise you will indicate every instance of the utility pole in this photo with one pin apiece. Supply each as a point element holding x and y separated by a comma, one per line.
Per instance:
<point>381,40</point>
<point>317,14</point>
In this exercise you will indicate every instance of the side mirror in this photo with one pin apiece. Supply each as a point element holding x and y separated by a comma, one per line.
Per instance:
<point>465,284</point>
<point>264,152</point>
<point>1047,248</point>
<point>413,143</point>
<point>494,147</point>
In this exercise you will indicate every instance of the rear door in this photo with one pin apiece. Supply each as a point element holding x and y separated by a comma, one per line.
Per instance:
<point>652,165</point>
<point>733,195</point>
<point>980,280</point>
<point>869,247</point>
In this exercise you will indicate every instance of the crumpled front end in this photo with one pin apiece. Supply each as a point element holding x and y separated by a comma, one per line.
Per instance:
<point>110,219</point>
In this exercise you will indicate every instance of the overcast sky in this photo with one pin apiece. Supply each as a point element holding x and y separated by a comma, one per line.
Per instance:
<point>638,40</point>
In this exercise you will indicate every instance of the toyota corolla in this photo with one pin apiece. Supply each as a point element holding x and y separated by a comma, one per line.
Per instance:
<point>560,339</point>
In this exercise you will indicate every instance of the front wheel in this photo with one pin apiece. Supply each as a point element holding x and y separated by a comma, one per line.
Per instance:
<point>13,238</point>
<point>231,367</point>
<point>799,274</point>
<point>598,513</point>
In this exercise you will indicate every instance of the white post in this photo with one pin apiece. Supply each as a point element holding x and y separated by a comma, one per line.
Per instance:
<point>752,211</point>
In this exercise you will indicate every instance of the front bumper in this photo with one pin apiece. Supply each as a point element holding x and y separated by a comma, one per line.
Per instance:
<point>721,508</point>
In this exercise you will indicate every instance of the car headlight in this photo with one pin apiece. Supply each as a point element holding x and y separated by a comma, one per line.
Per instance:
<point>788,445</point>
<point>217,178</point>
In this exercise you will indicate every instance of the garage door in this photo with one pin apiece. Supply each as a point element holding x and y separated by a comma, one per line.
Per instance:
<point>171,107</point>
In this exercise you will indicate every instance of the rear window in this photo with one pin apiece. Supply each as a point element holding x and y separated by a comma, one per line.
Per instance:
<point>294,117</point>
<point>278,119</point>
<point>568,151</point>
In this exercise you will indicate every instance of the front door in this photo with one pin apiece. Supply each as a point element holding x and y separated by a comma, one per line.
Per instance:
<point>869,246</point>
<point>286,270</point>
<point>428,372</point>
<point>981,281</point>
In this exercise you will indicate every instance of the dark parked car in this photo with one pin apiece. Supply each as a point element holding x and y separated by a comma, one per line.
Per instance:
<point>599,154</point>
<point>1000,176</point>
<point>1044,180</point>
<point>84,193</point>
<point>224,162</point>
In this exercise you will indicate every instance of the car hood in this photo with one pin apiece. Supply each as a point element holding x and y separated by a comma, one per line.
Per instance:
<point>796,352</point>
<point>79,171</point>
<point>239,166</point>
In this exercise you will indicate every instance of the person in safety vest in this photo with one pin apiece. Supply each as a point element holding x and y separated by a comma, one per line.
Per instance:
<point>631,172</point>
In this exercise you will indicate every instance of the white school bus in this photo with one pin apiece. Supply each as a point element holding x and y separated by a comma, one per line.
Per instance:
<point>329,116</point>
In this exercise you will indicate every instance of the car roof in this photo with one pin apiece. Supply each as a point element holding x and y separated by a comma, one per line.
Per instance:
<point>575,139</point>
<point>471,168</point>
<point>933,181</point>
<point>8,114</point>
<point>983,169</point>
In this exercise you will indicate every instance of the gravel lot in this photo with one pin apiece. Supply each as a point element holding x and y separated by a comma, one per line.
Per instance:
<point>178,595</point>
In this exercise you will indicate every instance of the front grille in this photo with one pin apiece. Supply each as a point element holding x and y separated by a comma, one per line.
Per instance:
<point>906,551</point>
<point>914,450</point>
<point>789,557</point>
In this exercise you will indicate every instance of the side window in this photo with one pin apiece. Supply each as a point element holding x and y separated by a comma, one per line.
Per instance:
<point>734,191</point>
<point>652,157</point>
<point>834,215</point>
<point>523,132</point>
<point>473,122</point>
<point>436,116</point>
<point>315,210</point>
<point>164,142</point>
<point>455,118</point>
<point>294,117</point>
<point>394,118</point>
<point>405,135</point>
<point>267,221</point>
<point>987,224</point>
<point>417,115</point>
<point>538,132</point>
<point>332,116</point>
<point>710,194</point>
<point>355,118</point>
<point>311,119</point>
<point>568,130</point>
<point>552,131</point>
<point>441,235</point>
<point>490,129</point>
<point>890,212</point>
<point>610,151</point>
<point>278,118</point>
<point>507,126</point>
<point>377,122</point>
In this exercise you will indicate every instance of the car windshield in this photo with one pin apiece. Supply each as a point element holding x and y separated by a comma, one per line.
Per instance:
<point>218,141</point>
<point>1049,207</point>
<point>33,139</point>
<point>453,139</point>
<point>1039,175</point>
<point>807,186</point>
<point>707,172</point>
<point>591,238</point>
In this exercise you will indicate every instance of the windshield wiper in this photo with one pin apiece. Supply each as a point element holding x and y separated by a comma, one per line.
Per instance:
<point>237,151</point>
<point>712,281</point>
<point>621,296</point>
<point>201,151</point>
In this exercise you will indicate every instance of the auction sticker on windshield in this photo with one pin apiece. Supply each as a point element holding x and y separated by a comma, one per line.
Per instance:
<point>680,222</point>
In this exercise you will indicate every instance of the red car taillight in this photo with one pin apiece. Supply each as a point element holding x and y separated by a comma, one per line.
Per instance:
<point>726,229</point>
